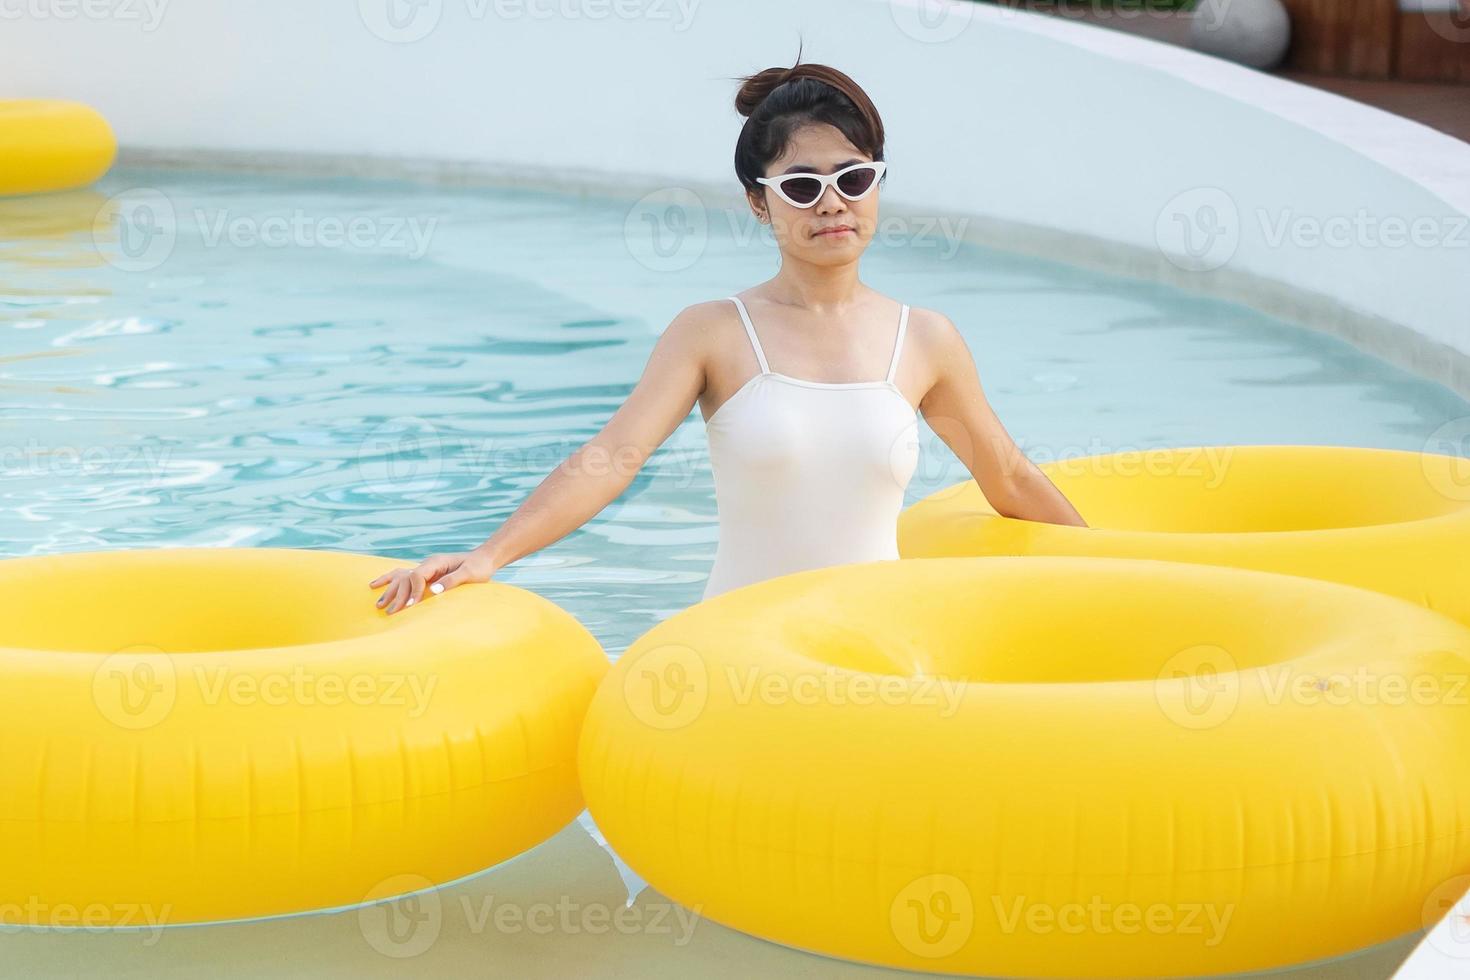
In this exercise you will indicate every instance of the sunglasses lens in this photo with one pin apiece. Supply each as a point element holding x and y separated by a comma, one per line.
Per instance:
<point>802,190</point>
<point>855,182</point>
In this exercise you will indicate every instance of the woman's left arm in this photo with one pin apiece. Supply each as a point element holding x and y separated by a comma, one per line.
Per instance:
<point>956,409</point>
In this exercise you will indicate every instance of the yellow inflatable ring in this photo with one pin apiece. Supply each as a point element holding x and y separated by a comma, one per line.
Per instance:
<point>48,145</point>
<point>205,734</point>
<point>1393,521</point>
<point>1027,767</point>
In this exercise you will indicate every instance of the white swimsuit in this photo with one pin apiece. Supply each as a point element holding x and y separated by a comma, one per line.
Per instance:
<point>808,473</point>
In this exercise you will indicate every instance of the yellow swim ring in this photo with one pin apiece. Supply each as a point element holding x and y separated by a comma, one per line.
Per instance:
<point>1389,520</point>
<point>49,145</point>
<point>203,734</point>
<point>1040,767</point>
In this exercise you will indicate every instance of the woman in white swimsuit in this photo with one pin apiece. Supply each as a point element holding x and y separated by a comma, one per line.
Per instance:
<point>810,383</point>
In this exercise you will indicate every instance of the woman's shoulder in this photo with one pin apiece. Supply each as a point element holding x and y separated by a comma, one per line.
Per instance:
<point>703,314</point>
<point>929,332</point>
<point>701,324</point>
<point>933,346</point>
<point>928,321</point>
<point>702,332</point>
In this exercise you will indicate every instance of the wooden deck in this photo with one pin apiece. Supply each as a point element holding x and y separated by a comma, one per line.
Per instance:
<point>1334,49</point>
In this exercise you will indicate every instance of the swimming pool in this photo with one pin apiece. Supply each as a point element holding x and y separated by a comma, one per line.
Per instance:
<point>390,367</point>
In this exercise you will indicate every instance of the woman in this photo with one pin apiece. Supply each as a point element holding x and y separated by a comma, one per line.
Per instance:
<point>811,453</point>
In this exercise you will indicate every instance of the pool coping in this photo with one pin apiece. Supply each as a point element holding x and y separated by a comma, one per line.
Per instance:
<point>1394,343</point>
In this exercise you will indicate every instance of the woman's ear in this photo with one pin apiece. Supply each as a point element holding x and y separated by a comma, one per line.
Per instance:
<point>758,205</point>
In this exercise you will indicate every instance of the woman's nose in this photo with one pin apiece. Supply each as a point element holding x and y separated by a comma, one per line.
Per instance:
<point>831,201</point>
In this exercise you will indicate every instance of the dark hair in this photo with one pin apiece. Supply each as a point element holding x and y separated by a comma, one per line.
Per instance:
<point>778,101</point>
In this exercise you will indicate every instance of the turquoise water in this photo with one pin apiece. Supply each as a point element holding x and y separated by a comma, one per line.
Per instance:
<point>213,367</point>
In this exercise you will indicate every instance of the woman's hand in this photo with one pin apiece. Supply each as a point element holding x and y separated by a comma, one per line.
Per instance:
<point>438,572</point>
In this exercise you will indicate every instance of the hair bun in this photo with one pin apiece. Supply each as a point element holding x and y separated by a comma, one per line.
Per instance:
<point>760,85</point>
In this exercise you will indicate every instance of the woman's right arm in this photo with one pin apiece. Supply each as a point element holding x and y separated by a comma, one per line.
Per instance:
<point>587,480</point>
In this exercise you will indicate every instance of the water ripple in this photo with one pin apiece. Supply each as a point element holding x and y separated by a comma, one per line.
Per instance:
<point>362,400</point>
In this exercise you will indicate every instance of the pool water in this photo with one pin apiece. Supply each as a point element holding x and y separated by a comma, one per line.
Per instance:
<point>390,368</point>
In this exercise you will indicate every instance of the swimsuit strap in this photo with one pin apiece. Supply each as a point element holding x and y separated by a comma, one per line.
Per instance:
<point>903,321</point>
<point>760,355</point>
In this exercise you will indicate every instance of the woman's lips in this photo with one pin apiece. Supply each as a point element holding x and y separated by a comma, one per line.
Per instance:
<point>833,232</point>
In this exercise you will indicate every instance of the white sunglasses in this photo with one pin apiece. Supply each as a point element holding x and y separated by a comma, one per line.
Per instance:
<point>802,190</point>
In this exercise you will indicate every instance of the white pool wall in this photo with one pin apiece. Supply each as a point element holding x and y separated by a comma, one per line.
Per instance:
<point>1034,133</point>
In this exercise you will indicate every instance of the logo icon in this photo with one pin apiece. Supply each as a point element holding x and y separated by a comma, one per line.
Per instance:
<point>1450,19</point>
<point>1449,478</point>
<point>1447,917</point>
<point>933,21</point>
<point>1198,687</point>
<point>933,916</point>
<point>401,450</point>
<point>666,230</point>
<point>1199,230</point>
<point>136,687</point>
<point>667,687</point>
<point>136,231</point>
<point>401,21</point>
<point>406,926</point>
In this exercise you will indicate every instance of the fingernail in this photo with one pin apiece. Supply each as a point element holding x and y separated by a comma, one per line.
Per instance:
<point>437,588</point>
<point>411,602</point>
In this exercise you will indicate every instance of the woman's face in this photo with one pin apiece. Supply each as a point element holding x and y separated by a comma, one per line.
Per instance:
<point>835,230</point>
